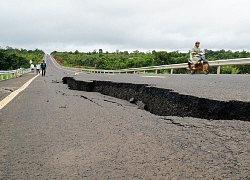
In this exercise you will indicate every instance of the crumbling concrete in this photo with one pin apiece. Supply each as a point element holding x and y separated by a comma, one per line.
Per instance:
<point>165,102</point>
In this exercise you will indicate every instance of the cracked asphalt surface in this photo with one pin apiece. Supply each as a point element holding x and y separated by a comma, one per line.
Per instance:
<point>51,132</point>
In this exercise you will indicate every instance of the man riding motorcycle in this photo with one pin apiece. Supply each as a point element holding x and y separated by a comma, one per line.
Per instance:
<point>195,57</point>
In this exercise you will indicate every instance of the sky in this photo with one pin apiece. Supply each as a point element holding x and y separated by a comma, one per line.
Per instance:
<point>125,25</point>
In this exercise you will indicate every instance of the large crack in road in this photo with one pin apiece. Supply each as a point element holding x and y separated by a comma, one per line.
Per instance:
<point>165,102</point>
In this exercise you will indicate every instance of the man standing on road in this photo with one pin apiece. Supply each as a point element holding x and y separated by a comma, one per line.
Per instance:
<point>43,66</point>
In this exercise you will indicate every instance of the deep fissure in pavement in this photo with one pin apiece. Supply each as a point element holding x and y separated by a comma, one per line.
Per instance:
<point>165,102</point>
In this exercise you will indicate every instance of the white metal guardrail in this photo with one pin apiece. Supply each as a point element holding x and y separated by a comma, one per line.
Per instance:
<point>217,63</point>
<point>4,75</point>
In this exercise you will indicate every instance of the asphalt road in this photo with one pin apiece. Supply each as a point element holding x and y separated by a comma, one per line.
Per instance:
<point>51,132</point>
<point>217,87</point>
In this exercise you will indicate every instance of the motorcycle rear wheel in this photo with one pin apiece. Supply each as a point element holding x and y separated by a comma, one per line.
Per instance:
<point>192,71</point>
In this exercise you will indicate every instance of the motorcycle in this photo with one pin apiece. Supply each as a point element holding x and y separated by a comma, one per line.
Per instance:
<point>202,64</point>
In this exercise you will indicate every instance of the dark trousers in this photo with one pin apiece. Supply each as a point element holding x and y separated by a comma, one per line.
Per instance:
<point>43,71</point>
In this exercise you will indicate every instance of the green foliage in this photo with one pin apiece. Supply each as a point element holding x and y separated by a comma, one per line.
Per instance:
<point>212,70</point>
<point>226,70</point>
<point>14,58</point>
<point>119,60</point>
<point>230,70</point>
<point>235,70</point>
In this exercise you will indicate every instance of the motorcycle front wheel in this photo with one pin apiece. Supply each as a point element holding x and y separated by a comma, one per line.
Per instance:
<point>205,68</point>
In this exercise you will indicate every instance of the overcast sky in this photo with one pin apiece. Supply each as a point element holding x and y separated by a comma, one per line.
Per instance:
<point>144,25</point>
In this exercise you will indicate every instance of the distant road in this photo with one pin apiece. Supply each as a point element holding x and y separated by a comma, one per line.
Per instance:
<point>51,132</point>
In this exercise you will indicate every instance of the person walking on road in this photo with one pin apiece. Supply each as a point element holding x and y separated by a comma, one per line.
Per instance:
<point>32,67</point>
<point>43,66</point>
<point>38,69</point>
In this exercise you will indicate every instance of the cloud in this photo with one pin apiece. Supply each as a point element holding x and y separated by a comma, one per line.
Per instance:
<point>85,25</point>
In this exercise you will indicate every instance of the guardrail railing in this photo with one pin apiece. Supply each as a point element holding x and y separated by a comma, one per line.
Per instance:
<point>217,63</point>
<point>4,75</point>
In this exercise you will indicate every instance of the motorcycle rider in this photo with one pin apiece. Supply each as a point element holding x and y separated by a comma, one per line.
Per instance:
<point>194,56</point>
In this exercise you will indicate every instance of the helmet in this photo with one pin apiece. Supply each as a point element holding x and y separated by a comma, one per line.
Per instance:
<point>197,42</point>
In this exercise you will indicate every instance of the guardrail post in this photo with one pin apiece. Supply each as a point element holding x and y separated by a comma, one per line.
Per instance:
<point>218,69</point>
<point>156,71</point>
<point>172,71</point>
<point>2,77</point>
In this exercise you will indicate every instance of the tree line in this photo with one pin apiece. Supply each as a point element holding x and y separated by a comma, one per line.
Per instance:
<point>123,60</point>
<point>12,58</point>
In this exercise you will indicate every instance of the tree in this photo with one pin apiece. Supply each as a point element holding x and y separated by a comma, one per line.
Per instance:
<point>161,57</point>
<point>11,58</point>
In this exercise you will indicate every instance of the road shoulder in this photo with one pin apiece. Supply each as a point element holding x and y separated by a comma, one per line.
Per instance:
<point>10,85</point>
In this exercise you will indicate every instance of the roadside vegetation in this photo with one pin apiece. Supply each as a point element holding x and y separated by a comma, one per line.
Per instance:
<point>11,58</point>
